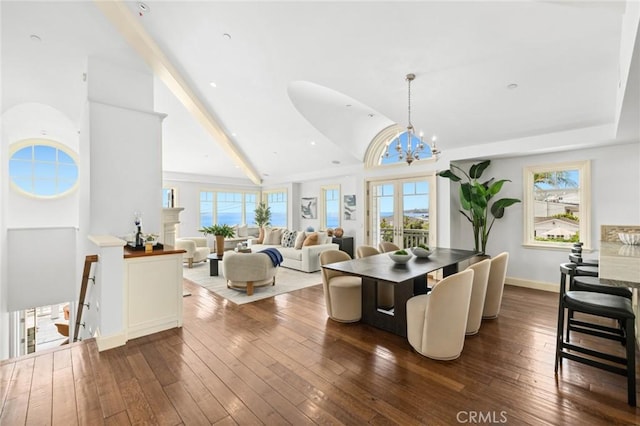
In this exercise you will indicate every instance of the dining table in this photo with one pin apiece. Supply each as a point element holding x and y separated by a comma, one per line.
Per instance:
<point>407,279</point>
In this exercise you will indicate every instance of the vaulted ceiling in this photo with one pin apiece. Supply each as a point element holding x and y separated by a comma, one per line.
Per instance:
<point>302,85</point>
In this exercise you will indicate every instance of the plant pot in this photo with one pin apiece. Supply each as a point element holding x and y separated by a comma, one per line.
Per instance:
<point>261,235</point>
<point>219,245</point>
<point>478,258</point>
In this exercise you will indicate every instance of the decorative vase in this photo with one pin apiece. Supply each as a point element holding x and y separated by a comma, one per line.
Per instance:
<point>219,245</point>
<point>261,235</point>
<point>338,232</point>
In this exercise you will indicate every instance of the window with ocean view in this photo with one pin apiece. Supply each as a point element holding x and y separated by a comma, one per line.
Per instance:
<point>330,207</point>
<point>227,208</point>
<point>277,201</point>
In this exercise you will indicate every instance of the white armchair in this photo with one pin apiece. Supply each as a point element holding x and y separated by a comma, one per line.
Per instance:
<point>196,248</point>
<point>248,270</point>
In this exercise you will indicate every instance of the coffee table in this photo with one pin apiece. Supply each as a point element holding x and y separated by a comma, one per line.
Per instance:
<point>213,264</point>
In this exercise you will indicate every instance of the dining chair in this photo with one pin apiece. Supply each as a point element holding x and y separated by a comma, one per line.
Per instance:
<point>385,247</point>
<point>495,286</point>
<point>437,321</point>
<point>478,294</point>
<point>599,305</point>
<point>342,292</point>
<point>385,290</point>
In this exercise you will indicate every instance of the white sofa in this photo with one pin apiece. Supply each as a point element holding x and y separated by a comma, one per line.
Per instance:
<point>196,249</point>
<point>306,259</point>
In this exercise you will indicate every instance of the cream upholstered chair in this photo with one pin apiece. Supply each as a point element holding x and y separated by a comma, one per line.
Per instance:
<point>436,322</point>
<point>342,293</point>
<point>248,270</point>
<point>478,294</point>
<point>385,291</point>
<point>196,249</point>
<point>495,286</point>
<point>385,247</point>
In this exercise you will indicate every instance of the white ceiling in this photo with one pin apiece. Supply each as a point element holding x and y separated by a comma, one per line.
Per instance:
<point>288,71</point>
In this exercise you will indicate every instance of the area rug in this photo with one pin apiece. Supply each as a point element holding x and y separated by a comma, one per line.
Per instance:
<point>286,280</point>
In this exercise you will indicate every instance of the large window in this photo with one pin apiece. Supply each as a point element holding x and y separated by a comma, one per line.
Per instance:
<point>557,204</point>
<point>330,207</point>
<point>277,201</point>
<point>227,208</point>
<point>42,168</point>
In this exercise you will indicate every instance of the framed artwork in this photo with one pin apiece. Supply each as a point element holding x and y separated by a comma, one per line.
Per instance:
<point>349,207</point>
<point>309,207</point>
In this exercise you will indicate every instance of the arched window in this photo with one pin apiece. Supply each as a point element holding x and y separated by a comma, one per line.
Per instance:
<point>42,168</point>
<point>376,153</point>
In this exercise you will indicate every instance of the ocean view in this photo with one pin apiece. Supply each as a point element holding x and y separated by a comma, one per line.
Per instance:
<point>235,218</point>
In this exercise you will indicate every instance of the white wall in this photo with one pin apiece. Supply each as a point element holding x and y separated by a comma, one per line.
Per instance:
<point>28,121</point>
<point>348,185</point>
<point>17,210</point>
<point>615,199</point>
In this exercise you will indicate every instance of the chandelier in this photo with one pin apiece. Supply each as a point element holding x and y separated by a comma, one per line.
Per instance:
<point>413,150</point>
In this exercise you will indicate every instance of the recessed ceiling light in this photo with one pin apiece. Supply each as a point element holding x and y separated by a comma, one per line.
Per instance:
<point>265,174</point>
<point>43,132</point>
<point>34,37</point>
<point>371,115</point>
<point>213,84</point>
<point>348,105</point>
<point>143,7</point>
<point>335,162</point>
<point>226,36</point>
<point>512,86</point>
<point>312,142</point>
<point>234,134</point>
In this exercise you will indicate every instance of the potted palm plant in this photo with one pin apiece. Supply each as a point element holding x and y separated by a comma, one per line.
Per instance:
<point>476,200</point>
<point>220,232</point>
<point>262,218</point>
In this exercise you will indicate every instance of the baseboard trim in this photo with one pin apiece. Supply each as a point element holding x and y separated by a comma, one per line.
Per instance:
<point>537,285</point>
<point>110,342</point>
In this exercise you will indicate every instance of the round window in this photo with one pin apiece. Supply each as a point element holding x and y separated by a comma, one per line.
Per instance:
<point>42,168</point>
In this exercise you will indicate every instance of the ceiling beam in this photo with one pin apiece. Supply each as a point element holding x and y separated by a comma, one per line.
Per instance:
<point>122,18</point>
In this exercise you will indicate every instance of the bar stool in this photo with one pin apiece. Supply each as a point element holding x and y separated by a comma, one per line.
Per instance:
<point>583,268</point>
<point>602,305</point>
<point>577,250</point>
<point>584,283</point>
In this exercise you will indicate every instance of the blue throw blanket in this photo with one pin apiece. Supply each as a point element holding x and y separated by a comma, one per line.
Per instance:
<point>274,254</point>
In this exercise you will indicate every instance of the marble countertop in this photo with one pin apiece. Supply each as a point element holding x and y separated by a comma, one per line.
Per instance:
<point>620,262</point>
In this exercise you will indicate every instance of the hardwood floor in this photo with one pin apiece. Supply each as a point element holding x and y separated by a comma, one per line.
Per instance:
<point>281,361</point>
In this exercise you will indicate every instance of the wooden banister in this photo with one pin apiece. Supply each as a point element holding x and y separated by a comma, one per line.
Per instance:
<point>88,261</point>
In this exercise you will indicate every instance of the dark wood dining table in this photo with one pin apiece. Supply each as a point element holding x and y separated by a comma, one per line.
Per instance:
<point>407,279</point>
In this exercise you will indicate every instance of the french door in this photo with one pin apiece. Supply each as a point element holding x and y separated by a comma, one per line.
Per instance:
<point>402,211</point>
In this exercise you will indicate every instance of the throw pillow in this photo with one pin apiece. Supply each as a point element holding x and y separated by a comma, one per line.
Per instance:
<point>288,238</point>
<point>273,236</point>
<point>299,240</point>
<point>311,240</point>
<point>242,231</point>
<point>323,237</point>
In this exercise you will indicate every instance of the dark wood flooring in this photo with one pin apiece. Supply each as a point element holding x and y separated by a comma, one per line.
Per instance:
<point>281,361</point>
